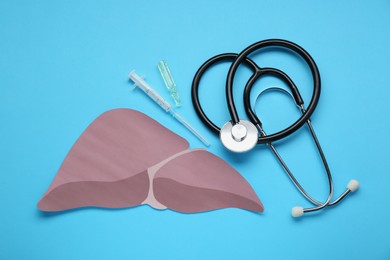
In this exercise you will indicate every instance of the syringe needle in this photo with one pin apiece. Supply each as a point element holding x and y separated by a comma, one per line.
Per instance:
<point>148,90</point>
<point>189,127</point>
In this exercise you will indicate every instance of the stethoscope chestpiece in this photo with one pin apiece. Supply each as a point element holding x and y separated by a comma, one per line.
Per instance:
<point>240,137</point>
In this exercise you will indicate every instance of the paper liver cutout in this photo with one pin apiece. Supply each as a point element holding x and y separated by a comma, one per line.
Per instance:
<point>124,159</point>
<point>199,181</point>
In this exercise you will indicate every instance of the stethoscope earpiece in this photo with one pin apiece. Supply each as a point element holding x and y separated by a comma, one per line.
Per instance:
<point>297,212</point>
<point>352,186</point>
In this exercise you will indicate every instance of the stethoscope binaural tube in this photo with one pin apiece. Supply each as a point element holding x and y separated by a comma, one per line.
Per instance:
<point>299,211</point>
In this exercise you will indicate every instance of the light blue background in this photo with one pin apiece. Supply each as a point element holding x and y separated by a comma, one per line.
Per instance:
<point>62,63</point>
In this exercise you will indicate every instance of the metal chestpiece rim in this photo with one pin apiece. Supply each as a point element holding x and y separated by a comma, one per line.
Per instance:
<point>239,138</point>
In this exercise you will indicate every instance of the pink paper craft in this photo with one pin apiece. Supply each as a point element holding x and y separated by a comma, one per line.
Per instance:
<point>124,159</point>
<point>197,181</point>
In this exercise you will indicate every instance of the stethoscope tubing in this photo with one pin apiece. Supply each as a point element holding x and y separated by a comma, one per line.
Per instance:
<point>199,74</point>
<point>242,58</point>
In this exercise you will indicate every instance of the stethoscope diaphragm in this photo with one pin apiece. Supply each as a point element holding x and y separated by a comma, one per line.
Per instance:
<point>240,137</point>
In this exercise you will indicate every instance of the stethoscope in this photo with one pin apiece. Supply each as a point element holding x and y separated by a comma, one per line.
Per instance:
<point>239,135</point>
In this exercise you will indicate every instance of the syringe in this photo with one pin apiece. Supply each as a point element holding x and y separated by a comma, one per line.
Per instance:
<point>139,82</point>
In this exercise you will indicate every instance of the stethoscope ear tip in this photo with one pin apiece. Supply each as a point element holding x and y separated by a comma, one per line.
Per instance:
<point>297,212</point>
<point>353,185</point>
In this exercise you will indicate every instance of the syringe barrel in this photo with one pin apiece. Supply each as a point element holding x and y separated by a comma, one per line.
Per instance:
<point>139,82</point>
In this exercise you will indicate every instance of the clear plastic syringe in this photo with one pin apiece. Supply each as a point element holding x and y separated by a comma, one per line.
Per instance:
<point>139,82</point>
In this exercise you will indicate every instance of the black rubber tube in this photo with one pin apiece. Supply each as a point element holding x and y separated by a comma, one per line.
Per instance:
<point>243,57</point>
<point>195,84</point>
<point>267,71</point>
